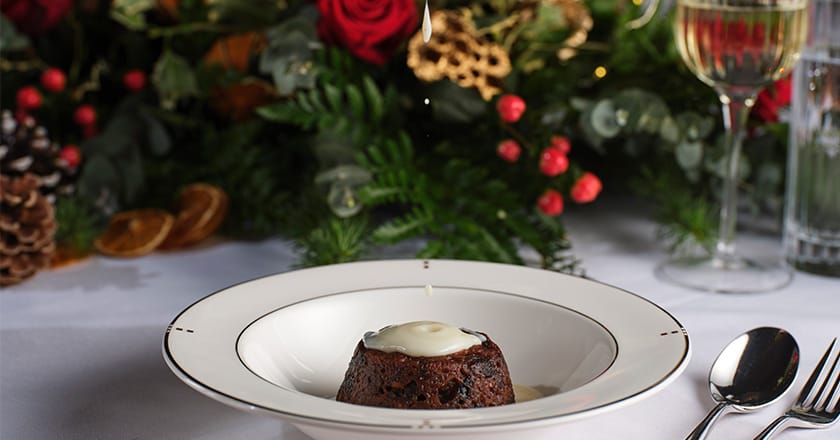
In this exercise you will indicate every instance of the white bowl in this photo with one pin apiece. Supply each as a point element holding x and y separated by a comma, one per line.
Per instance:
<point>281,344</point>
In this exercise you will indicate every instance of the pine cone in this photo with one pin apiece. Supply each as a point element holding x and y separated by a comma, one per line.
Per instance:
<point>25,148</point>
<point>27,228</point>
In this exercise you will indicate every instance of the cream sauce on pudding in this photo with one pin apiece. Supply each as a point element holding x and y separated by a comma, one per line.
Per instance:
<point>422,339</point>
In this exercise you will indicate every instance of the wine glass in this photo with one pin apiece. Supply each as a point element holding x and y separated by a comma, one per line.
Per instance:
<point>737,47</point>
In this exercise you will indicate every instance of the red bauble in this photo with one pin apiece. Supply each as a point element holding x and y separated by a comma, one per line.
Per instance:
<point>586,188</point>
<point>553,162</point>
<point>510,108</point>
<point>509,150</point>
<point>134,80</point>
<point>550,202</point>
<point>53,79</point>
<point>85,115</point>
<point>71,154</point>
<point>561,143</point>
<point>28,98</point>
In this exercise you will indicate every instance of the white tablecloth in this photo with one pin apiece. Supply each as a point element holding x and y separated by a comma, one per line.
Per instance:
<point>80,347</point>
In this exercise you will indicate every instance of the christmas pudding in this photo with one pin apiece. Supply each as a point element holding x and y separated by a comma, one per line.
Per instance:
<point>426,365</point>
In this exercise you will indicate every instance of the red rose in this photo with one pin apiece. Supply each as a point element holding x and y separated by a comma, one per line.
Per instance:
<point>370,29</point>
<point>586,189</point>
<point>35,16</point>
<point>771,99</point>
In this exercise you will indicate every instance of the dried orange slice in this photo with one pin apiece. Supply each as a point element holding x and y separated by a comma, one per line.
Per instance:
<point>134,233</point>
<point>201,210</point>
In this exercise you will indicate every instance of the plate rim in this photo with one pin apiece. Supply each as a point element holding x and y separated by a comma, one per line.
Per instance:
<point>307,419</point>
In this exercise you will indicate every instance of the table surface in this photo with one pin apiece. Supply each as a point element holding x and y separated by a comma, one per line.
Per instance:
<point>80,347</point>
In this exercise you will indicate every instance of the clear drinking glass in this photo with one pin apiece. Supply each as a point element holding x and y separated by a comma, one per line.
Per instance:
<point>737,47</point>
<point>812,215</point>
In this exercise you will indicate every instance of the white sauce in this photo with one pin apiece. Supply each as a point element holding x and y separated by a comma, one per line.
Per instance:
<point>524,393</point>
<point>421,339</point>
<point>427,24</point>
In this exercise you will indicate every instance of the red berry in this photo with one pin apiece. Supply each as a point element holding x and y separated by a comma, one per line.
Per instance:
<point>53,79</point>
<point>134,80</point>
<point>553,162</point>
<point>509,150</point>
<point>85,115</point>
<point>550,202</point>
<point>561,143</point>
<point>586,188</point>
<point>510,108</point>
<point>71,155</point>
<point>28,98</point>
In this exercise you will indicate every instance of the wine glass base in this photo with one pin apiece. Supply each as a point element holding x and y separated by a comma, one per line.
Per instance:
<point>724,275</point>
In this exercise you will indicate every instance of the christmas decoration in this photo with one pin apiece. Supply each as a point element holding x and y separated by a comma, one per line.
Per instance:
<point>27,227</point>
<point>458,53</point>
<point>71,155</point>
<point>551,203</point>
<point>85,115</point>
<point>553,162</point>
<point>134,80</point>
<point>134,233</point>
<point>29,98</point>
<point>586,188</point>
<point>201,210</point>
<point>35,16</point>
<point>372,31</point>
<point>561,144</point>
<point>372,135</point>
<point>26,149</point>
<point>510,108</point>
<point>53,80</point>
<point>509,150</point>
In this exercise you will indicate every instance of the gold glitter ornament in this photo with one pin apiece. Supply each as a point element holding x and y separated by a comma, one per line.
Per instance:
<point>456,51</point>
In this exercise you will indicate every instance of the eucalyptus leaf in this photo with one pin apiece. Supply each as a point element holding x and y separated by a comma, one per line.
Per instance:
<point>603,119</point>
<point>130,168</point>
<point>348,173</point>
<point>131,13</point>
<point>669,130</point>
<point>158,140</point>
<point>174,78</point>
<point>689,154</point>
<point>10,38</point>
<point>97,176</point>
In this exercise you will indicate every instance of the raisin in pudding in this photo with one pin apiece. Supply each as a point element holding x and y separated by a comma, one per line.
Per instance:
<point>426,365</point>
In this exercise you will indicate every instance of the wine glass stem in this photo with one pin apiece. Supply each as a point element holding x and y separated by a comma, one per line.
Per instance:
<point>736,107</point>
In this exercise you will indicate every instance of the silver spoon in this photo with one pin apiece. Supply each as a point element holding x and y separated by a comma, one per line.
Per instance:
<point>753,371</point>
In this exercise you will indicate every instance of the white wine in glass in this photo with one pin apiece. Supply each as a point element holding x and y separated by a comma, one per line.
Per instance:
<point>737,47</point>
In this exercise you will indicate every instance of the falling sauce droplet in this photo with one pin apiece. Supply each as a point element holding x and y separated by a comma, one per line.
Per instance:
<point>427,24</point>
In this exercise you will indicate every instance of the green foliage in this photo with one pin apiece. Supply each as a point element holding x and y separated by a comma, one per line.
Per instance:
<point>460,210</point>
<point>79,223</point>
<point>258,171</point>
<point>334,241</point>
<point>113,171</point>
<point>174,78</point>
<point>289,52</point>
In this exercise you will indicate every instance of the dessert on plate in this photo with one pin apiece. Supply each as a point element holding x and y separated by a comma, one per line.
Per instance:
<point>426,365</point>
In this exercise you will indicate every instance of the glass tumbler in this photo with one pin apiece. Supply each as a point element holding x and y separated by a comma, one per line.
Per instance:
<point>812,212</point>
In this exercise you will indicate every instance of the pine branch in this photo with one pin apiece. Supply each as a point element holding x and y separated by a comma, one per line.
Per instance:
<point>334,241</point>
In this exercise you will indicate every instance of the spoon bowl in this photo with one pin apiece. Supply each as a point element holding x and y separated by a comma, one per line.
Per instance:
<point>752,372</point>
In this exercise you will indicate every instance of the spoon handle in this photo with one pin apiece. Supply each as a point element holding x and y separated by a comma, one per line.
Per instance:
<point>702,429</point>
<point>771,429</point>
